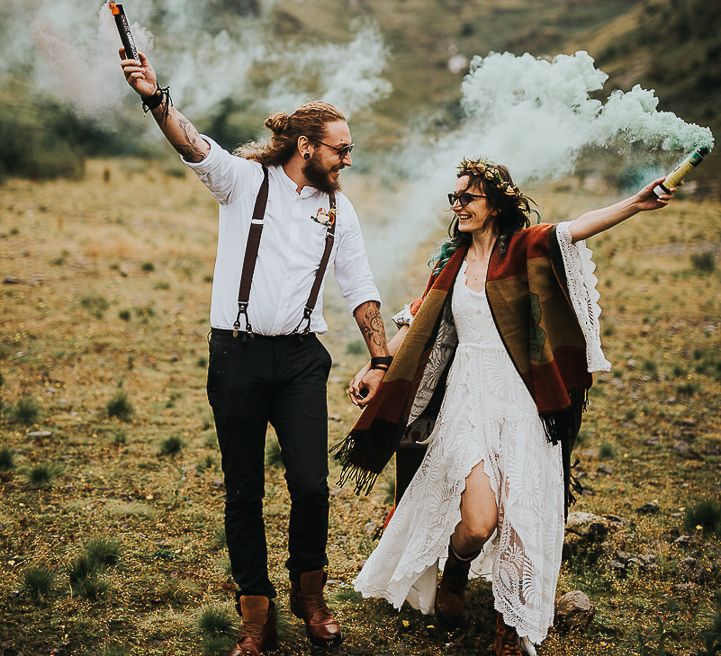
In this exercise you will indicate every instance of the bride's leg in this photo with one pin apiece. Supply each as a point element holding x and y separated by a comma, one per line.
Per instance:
<point>479,514</point>
<point>478,521</point>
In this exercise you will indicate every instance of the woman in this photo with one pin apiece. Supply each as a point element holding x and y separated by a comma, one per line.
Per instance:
<point>491,370</point>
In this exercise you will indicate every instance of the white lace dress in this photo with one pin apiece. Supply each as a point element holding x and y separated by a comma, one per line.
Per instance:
<point>487,416</point>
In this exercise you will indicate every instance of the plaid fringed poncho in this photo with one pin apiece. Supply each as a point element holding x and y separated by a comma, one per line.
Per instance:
<point>527,293</point>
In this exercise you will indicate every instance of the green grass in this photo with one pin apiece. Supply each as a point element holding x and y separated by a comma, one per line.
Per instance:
<point>120,406</point>
<point>25,411</point>
<point>706,514</point>
<point>171,446</point>
<point>41,476</point>
<point>38,582</point>
<point>7,458</point>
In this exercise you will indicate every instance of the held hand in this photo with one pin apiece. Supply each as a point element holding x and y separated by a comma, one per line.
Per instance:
<point>140,75</point>
<point>369,386</point>
<point>354,387</point>
<point>646,199</point>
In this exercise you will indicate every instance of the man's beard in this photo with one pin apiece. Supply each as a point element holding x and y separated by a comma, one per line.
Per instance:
<point>320,177</point>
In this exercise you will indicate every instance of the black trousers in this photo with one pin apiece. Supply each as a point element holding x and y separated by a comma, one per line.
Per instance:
<point>281,380</point>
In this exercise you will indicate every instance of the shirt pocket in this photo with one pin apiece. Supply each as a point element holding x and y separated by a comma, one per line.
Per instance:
<point>311,240</point>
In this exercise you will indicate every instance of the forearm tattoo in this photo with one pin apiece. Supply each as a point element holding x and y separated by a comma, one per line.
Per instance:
<point>370,322</point>
<point>181,133</point>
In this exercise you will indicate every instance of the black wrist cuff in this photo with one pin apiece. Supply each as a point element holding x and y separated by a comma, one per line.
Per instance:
<point>161,94</point>
<point>381,362</point>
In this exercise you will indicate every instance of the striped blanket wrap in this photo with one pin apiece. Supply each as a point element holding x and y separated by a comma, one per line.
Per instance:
<point>526,291</point>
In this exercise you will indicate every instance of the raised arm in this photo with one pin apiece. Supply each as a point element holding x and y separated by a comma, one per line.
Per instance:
<point>596,221</point>
<point>178,130</point>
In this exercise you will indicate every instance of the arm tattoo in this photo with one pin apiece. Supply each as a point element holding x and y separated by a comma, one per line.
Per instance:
<point>180,132</point>
<point>370,322</point>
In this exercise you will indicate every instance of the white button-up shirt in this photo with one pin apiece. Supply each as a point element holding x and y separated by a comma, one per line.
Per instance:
<point>290,248</point>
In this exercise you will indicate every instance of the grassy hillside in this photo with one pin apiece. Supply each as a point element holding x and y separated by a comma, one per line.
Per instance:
<point>111,494</point>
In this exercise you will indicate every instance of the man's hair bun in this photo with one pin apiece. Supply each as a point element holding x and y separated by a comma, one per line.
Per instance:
<point>277,123</point>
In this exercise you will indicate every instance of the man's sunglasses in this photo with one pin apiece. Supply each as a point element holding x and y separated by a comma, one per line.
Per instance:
<point>343,151</point>
<point>463,198</point>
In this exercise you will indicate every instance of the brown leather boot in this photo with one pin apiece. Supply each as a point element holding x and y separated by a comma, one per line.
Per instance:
<point>307,603</point>
<point>451,592</point>
<point>259,633</point>
<point>507,642</point>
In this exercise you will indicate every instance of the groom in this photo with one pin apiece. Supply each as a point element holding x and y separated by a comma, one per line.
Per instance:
<point>266,363</point>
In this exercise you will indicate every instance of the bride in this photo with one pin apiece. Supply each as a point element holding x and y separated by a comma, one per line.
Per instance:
<point>491,370</point>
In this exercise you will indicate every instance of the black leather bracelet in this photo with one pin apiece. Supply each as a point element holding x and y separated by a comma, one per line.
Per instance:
<point>152,102</point>
<point>381,362</point>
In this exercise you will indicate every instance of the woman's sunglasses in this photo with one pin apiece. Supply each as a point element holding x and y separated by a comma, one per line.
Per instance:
<point>463,198</point>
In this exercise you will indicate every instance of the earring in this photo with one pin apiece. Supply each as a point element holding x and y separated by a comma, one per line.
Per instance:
<point>306,155</point>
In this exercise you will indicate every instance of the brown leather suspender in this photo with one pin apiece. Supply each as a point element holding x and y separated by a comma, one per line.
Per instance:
<point>251,256</point>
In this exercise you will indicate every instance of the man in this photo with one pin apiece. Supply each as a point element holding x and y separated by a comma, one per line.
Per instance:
<point>266,363</point>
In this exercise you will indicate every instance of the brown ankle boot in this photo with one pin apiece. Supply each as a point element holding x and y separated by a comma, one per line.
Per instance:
<point>307,602</point>
<point>450,595</point>
<point>259,633</point>
<point>507,642</point>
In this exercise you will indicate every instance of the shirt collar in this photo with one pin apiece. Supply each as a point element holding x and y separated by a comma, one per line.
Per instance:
<point>306,192</point>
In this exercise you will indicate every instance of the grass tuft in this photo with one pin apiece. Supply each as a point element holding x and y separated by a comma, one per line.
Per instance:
<point>704,262</point>
<point>606,451</point>
<point>38,581</point>
<point>102,552</point>
<point>42,476</point>
<point>95,304</point>
<point>172,445</point>
<point>120,438</point>
<point>214,622</point>
<point>205,464</point>
<point>7,458</point>
<point>25,411</point>
<point>706,514</point>
<point>120,406</point>
<point>273,456</point>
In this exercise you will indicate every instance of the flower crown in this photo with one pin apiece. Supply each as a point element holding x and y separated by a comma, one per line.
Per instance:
<point>490,172</point>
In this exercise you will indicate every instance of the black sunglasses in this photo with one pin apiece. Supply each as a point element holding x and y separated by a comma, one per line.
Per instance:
<point>343,151</point>
<point>463,198</point>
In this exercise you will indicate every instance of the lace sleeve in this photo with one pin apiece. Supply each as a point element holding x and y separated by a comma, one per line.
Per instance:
<point>581,282</point>
<point>404,317</point>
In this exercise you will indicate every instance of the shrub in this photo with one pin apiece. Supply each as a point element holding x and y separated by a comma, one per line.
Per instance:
<point>7,459</point>
<point>704,262</point>
<point>38,581</point>
<point>119,406</point>
<point>171,445</point>
<point>96,305</point>
<point>606,451</point>
<point>687,389</point>
<point>26,410</point>
<point>120,438</point>
<point>148,266</point>
<point>124,315</point>
<point>706,514</point>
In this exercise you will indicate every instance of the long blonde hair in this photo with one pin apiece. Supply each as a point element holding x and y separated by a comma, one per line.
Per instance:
<point>308,120</point>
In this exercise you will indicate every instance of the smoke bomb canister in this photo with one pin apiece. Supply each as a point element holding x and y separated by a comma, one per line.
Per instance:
<point>126,36</point>
<point>681,171</point>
